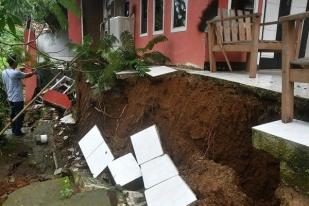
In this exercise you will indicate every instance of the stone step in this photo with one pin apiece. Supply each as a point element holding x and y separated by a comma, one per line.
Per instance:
<point>290,144</point>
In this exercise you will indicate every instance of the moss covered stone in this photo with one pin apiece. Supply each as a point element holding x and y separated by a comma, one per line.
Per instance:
<point>294,157</point>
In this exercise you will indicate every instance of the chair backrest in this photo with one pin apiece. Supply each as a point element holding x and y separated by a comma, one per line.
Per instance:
<point>293,26</point>
<point>233,26</point>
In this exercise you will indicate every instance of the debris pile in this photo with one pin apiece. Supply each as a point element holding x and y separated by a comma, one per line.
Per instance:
<point>164,186</point>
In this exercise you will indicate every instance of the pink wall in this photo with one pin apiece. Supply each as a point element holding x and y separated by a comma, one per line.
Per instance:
<point>185,47</point>
<point>75,27</point>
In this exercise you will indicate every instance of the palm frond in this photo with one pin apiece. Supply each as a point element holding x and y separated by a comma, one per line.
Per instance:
<point>127,41</point>
<point>154,41</point>
<point>156,57</point>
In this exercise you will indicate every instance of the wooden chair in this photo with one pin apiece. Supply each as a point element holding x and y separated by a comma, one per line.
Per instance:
<point>238,31</point>
<point>294,69</point>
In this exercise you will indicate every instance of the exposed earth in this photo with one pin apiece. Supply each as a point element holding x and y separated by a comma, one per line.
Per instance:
<point>204,125</point>
<point>198,119</point>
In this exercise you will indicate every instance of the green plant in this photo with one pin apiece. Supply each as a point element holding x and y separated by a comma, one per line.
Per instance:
<point>40,10</point>
<point>101,60</point>
<point>66,188</point>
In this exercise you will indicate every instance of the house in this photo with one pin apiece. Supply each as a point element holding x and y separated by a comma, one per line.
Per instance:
<point>179,21</point>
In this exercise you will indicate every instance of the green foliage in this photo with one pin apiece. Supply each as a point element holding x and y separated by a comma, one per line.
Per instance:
<point>6,49</point>
<point>150,56</point>
<point>66,188</point>
<point>4,107</point>
<point>100,61</point>
<point>15,12</point>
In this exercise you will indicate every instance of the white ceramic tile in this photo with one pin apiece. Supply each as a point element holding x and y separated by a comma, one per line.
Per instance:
<point>99,159</point>
<point>158,170</point>
<point>146,145</point>
<point>91,141</point>
<point>296,131</point>
<point>160,70</point>
<point>173,192</point>
<point>125,169</point>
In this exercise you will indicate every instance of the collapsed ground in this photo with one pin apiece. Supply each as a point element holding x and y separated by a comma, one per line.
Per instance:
<point>204,125</point>
<point>198,119</point>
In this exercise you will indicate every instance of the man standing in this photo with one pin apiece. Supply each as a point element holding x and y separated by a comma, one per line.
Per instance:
<point>14,89</point>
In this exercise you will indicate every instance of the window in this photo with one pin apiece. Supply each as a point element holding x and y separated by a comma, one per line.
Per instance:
<point>144,6</point>
<point>179,15</point>
<point>158,16</point>
<point>247,5</point>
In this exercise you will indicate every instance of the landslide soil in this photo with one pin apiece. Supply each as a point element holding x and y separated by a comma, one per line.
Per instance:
<point>204,125</point>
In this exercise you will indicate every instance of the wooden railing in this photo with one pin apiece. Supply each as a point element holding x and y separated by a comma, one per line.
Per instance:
<point>238,31</point>
<point>294,69</point>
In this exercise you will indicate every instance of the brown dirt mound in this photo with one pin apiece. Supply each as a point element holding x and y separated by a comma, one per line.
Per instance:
<point>197,117</point>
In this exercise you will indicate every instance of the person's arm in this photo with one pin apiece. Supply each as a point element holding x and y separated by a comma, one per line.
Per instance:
<point>22,75</point>
<point>27,75</point>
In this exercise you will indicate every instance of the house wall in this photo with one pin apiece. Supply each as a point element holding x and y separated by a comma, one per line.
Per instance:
<point>184,47</point>
<point>75,27</point>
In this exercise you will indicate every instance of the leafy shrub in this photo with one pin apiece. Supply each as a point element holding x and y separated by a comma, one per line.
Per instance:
<point>102,59</point>
<point>66,188</point>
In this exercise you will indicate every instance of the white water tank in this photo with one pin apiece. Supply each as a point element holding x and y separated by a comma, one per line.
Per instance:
<point>119,24</point>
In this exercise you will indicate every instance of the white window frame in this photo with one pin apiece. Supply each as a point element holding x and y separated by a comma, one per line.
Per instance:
<point>154,15</point>
<point>182,28</point>
<point>255,9</point>
<point>141,15</point>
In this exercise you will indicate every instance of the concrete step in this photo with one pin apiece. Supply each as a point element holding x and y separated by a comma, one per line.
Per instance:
<point>290,144</point>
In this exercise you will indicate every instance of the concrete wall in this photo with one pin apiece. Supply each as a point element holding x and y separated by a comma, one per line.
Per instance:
<point>55,44</point>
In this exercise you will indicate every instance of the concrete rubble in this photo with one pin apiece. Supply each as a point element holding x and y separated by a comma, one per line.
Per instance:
<point>69,119</point>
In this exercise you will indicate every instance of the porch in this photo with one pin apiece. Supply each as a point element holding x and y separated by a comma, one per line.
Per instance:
<point>268,79</point>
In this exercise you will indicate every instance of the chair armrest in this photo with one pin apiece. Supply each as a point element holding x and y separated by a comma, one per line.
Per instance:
<point>217,19</point>
<point>294,17</point>
<point>269,23</point>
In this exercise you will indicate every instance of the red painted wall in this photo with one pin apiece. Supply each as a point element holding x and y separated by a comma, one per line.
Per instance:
<point>185,47</point>
<point>75,27</point>
<point>31,82</point>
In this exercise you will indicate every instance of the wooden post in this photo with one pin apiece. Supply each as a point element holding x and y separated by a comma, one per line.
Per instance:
<point>288,54</point>
<point>211,41</point>
<point>255,47</point>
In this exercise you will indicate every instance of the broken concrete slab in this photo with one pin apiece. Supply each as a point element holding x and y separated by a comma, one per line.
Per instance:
<point>84,180</point>
<point>173,192</point>
<point>99,159</point>
<point>158,170</point>
<point>95,151</point>
<point>92,140</point>
<point>68,119</point>
<point>134,198</point>
<point>146,145</point>
<point>126,74</point>
<point>125,170</point>
<point>156,71</point>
